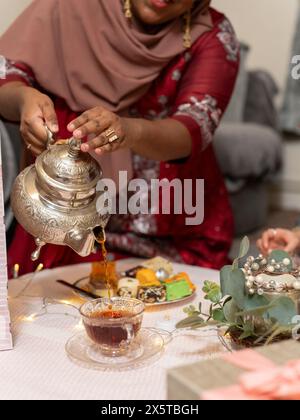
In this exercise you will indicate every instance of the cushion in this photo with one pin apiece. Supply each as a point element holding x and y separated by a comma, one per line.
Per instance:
<point>10,170</point>
<point>260,103</point>
<point>247,150</point>
<point>236,107</point>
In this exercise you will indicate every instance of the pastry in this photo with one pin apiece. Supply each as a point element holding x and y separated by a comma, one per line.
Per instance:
<point>152,294</point>
<point>159,263</point>
<point>177,290</point>
<point>182,276</point>
<point>128,287</point>
<point>147,278</point>
<point>132,272</point>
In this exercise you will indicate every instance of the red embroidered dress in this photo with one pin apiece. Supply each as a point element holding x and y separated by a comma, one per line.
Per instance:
<point>194,89</point>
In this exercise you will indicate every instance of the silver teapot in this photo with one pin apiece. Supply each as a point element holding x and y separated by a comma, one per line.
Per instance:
<point>55,199</point>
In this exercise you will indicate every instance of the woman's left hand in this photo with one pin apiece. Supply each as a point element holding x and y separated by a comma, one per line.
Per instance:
<point>106,131</point>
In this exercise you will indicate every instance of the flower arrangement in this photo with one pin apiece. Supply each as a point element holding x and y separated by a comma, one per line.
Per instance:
<point>257,302</point>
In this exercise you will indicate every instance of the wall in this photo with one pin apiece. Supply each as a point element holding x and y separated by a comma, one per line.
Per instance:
<point>268,27</point>
<point>9,9</point>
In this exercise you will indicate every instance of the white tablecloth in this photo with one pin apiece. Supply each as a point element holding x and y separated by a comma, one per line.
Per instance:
<point>39,368</point>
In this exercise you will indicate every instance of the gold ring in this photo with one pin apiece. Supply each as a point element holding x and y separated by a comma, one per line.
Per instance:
<point>111,135</point>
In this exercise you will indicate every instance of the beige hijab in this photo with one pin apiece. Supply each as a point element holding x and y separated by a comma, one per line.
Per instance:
<point>87,52</point>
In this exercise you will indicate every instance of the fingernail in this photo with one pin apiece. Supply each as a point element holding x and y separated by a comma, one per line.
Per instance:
<point>99,152</point>
<point>71,127</point>
<point>55,127</point>
<point>85,147</point>
<point>77,133</point>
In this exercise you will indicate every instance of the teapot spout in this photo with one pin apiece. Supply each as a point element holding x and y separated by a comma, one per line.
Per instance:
<point>82,242</point>
<point>99,234</point>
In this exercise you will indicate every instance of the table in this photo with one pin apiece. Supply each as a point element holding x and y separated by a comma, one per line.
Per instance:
<point>38,367</point>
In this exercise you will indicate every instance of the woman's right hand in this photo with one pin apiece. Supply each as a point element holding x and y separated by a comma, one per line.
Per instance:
<point>283,239</point>
<point>36,111</point>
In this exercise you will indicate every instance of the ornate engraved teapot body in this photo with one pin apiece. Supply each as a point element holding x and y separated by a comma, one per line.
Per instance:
<point>55,199</point>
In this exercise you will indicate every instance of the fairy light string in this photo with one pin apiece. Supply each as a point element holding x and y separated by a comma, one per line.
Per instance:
<point>46,302</point>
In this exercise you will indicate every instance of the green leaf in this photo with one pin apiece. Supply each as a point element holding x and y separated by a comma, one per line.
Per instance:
<point>191,310</point>
<point>205,324</point>
<point>233,284</point>
<point>215,295</point>
<point>244,249</point>
<point>230,311</point>
<point>283,310</point>
<point>225,280</point>
<point>212,292</point>
<point>190,322</point>
<point>208,285</point>
<point>247,334</point>
<point>218,315</point>
<point>255,302</point>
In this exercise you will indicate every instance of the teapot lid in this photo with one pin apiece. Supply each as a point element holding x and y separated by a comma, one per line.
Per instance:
<point>64,166</point>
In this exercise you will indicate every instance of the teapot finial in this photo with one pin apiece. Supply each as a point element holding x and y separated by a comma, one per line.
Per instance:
<point>74,147</point>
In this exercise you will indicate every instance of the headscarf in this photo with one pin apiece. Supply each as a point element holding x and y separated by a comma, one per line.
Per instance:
<point>89,54</point>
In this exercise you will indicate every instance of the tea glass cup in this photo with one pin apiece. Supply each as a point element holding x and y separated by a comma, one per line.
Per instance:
<point>113,324</point>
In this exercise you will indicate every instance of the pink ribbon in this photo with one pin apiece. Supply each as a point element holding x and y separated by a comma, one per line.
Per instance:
<point>266,381</point>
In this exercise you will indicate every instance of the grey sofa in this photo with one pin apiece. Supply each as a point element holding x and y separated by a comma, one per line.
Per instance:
<point>249,152</point>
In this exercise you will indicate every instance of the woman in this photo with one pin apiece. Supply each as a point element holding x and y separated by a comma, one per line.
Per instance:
<point>284,239</point>
<point>152,76</point>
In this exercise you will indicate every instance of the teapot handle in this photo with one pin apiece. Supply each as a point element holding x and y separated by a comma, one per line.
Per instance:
<point>50,137</point>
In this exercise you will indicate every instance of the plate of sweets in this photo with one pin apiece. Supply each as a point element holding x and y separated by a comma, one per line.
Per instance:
<point>153,282</point>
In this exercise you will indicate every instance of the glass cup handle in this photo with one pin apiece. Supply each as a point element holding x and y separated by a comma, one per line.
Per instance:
<point>130,333</point>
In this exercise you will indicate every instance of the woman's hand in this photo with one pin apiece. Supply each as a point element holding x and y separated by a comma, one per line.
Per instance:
<point>286,240</point>
<point>36,111</point>
<point>161,140</point>
<point>106,131</point>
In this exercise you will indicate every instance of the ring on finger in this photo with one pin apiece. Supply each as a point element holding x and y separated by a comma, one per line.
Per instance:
<point>111,135</point>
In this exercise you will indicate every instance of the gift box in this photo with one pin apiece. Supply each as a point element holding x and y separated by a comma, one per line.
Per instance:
<point>265,373</point>
<point>5,333</point>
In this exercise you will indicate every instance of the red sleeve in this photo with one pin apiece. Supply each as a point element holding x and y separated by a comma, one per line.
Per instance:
<point>208,83</point>
<point>11,71</point>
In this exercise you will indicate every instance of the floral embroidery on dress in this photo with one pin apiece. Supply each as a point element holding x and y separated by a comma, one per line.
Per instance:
<point>187,56</point>
<point>12,70</point>
<point>228,38</point>
<point>142,224</point>
<point>176,75</point>
<point>206,113</point>
<point>163,100</point>
<point>148,170</point>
